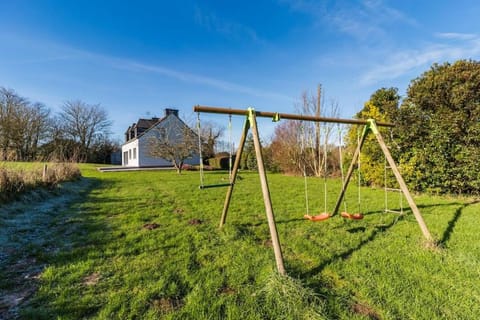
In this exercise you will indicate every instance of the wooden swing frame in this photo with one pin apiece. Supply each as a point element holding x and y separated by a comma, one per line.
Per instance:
<point>370,126</point>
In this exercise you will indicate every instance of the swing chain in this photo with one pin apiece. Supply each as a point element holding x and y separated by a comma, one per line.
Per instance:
<point>302,152</point>
<point>340,158</point>
<point>359,174</point>
<point>230,151</point>
<point>199,133</point>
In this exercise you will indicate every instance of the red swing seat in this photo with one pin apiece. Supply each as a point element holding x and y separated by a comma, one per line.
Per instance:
<point>352,216</point>
<point>319,217</point>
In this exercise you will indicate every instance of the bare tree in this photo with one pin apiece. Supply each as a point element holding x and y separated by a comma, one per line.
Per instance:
<point>175,143</point>
<point>33,131</point>
<point>23,126</point>
<point>299,146</point>
<point>210,132</point>
<point>59,147</point>
<point>10,103</point>
<point>286,147</point>
<point>83,123</point>
<point>315,137</point>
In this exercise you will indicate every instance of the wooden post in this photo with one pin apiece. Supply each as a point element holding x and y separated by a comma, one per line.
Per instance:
<point>236,165</point>
<point>401,182</point>
<point>356,155</point>
<point>266,194</point>
<point>44,173</point>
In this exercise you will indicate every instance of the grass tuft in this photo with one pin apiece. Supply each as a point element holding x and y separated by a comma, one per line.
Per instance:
<point>287,298</point>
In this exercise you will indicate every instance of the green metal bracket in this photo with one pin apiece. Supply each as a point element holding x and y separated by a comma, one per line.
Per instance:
<point>251,112</point>
<point>372,125</point>
<point>276,117</point>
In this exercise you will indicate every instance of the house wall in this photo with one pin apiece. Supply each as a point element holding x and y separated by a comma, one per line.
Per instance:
<point>130,154</point>
<point>145,159</point>
<point>172,125</point>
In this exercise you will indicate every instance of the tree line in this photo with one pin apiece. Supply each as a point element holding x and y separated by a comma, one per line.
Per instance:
<point>30,131</point>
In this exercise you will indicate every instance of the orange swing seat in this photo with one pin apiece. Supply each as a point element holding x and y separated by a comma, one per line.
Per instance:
<point>319,217</point>
<point>352,216</point>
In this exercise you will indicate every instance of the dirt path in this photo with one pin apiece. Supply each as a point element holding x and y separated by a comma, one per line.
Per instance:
<point>29,230</point>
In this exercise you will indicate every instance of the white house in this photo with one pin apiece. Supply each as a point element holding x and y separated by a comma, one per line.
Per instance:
<point>135,150</point>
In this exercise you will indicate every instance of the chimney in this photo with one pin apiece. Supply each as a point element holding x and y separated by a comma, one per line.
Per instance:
<point>171,111</point>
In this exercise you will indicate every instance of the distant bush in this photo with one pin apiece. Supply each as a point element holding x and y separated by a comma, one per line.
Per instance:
<point>189,167</point>
<point>14,181</point>
<point>214,163</point>
<point>221,161</point>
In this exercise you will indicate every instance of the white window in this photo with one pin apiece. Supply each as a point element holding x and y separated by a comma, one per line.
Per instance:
<point>130,154</point>
<point>134,153</point>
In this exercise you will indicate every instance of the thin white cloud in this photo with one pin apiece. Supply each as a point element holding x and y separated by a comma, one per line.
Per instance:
<point>377,9</point>
<point>51,51</point>
<point>368,19</point>
<point>24,46</point>
<point>456,36</point>
<point>230,29</point>
<point>307,6</point>
<point>194,78</point>
<point>404,62</point>
<point>362,21</point>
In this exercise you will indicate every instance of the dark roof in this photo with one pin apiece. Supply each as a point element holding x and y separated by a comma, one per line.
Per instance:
<point>136,130</point>
<point>146,123</point>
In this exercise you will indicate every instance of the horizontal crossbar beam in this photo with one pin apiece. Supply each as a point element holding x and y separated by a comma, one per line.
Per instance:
<point>276,115</point>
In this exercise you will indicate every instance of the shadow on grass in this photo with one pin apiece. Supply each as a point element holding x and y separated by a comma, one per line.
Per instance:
<point>453,222</point>
<point>436,205</point>
<point>408,210</point>
<point>312,279</point>
<point>264,221</point>
<point>347,253</point>
<point>286,221</point>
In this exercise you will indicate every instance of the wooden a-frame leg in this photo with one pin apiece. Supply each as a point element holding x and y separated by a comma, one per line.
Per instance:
<point>266,195</point>
<point>403,185</point>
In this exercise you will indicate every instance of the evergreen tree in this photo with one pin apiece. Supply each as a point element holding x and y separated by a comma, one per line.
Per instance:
<point>439,129</point>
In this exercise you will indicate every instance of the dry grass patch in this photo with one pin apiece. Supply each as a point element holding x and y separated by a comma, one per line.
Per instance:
<point>92,279</point>
<point>16,180</point>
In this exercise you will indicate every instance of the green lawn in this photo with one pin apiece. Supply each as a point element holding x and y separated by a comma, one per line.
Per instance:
<point>140,245</point>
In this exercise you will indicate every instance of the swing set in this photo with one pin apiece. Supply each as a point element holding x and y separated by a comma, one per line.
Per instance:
<point>369,126</point>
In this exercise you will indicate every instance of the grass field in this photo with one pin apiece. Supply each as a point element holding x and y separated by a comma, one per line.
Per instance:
<point>146,245</point>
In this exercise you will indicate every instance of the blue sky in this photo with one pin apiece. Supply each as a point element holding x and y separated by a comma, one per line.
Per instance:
<point>137,57</point>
